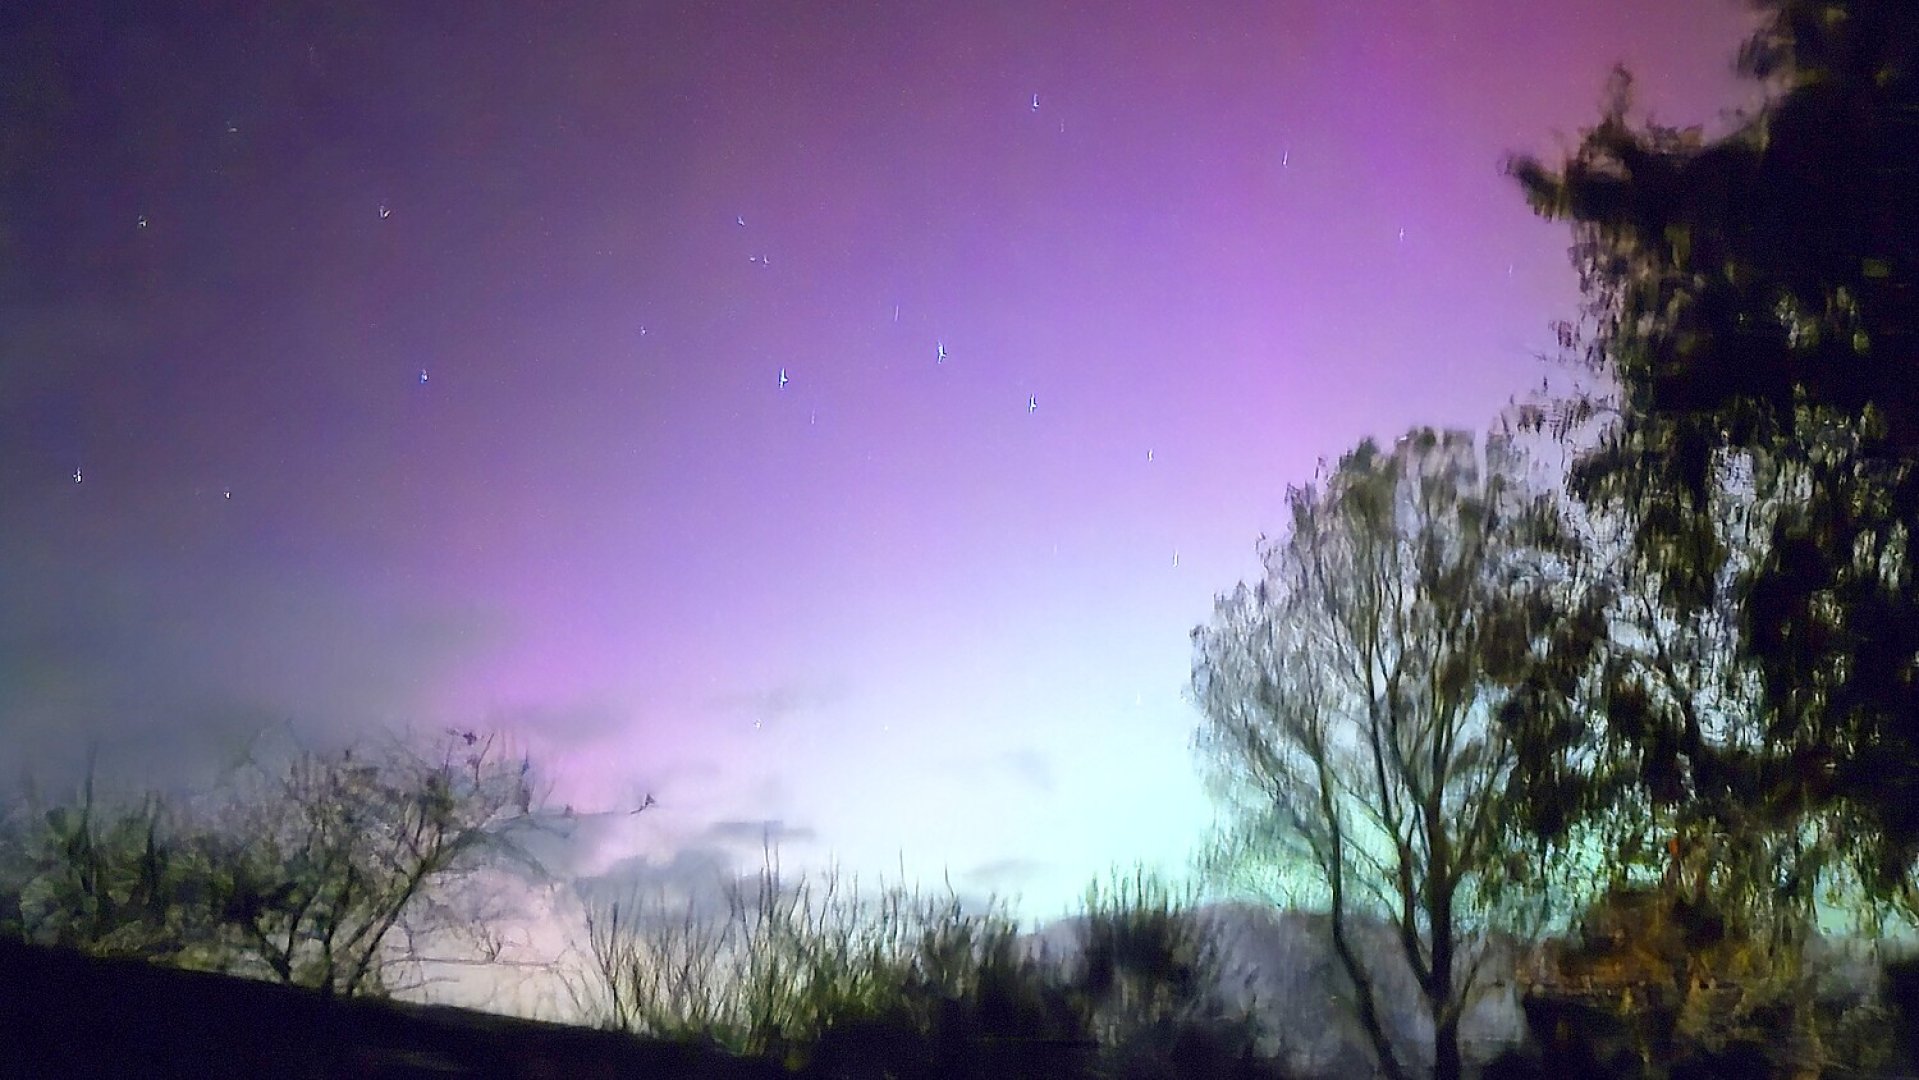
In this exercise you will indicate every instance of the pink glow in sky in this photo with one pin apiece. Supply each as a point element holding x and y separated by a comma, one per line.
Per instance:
<point>910,609</point>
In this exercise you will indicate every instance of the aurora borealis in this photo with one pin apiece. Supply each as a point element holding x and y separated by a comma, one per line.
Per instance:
<point>831,418</point>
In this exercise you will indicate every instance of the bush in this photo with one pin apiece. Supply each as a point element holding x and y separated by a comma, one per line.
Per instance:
<point>305,880</point>
<point>841,986</point>
<point>806,972</point>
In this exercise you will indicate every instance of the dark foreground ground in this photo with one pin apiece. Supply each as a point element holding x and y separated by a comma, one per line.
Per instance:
<point>67,1015</point>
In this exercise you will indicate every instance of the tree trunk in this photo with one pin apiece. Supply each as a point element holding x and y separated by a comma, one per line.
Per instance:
<point>1368,1008</point>
<point>1446,1062</point>
<point>1439,981</point>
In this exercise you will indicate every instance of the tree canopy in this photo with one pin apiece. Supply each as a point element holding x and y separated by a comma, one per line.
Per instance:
<point>1751,300</point>
<point>1350,699</point>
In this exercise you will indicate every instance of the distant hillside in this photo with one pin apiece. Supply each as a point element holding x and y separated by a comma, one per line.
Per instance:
<point>66,1015</point>
<point>1283,962</point>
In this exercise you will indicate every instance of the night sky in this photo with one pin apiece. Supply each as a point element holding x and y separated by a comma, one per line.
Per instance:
<point>575,370</point>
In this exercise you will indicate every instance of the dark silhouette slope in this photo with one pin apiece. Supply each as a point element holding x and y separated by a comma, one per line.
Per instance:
<point>64,1014</point>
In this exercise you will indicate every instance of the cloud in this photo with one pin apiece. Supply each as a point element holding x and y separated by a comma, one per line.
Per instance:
<point>1002,877</point>
<point>562,725</point>
<point>1030,766</point>
<point>700,880</point>
<point>754,834</point>
<point>782,700</point>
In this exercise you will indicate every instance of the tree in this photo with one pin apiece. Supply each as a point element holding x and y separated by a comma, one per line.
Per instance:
<point>1706,865</point>
<point>328,875</point>
<point>319,882</point>
<point>109,881</point>
<point>1350,696</point>
<point>1752,301</point>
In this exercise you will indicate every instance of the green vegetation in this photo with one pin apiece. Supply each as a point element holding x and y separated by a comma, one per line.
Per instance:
<point>312,877</point>
<point>1351,695</point>
<point>302,879</point>
<point>822,978</point>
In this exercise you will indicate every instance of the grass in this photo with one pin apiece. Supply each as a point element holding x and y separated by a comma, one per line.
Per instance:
<point>810,973</point>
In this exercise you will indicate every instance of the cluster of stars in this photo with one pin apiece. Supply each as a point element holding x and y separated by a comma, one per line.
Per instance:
<point>384,211</point>
<point>939,348</point>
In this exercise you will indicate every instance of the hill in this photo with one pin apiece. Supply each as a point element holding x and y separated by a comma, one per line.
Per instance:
<point>63,1014</point>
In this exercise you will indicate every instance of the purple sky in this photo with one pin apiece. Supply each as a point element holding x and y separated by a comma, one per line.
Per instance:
<point>888,607</point>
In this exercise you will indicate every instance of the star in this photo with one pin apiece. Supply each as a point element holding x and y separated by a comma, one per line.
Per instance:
<point>76,476</point>
<point>740,220</point>
<point>422,376</point>
<point>1175,558</point>
<point>896,313</point>
<point>1402,235</point>
<point>1035,102</point>
<point>1149,455</point>
<point>227,494</point>
<point>1031,403</point>
<point>782,378</point>
<point>143,221</point>
<point>385,211</point>
<point>941,356</point>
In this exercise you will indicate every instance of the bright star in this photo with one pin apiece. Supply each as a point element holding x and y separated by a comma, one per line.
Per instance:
<point>782,378</point>
<point>422,376</point>
<point>1031,403</point>
<point>76,476</point>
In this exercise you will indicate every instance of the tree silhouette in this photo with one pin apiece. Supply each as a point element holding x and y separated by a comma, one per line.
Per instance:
<point>1752,300</point>
<point>1349,699</point>
<point>320,881</point>
<point>327,875</point>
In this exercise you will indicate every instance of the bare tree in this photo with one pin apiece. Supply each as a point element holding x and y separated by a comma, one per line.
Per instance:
<point>350,859</point>
<point>1350,699</point>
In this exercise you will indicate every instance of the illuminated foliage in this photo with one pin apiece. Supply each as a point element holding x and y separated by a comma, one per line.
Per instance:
<point>1351,695</point>
<point>1752,299</point>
